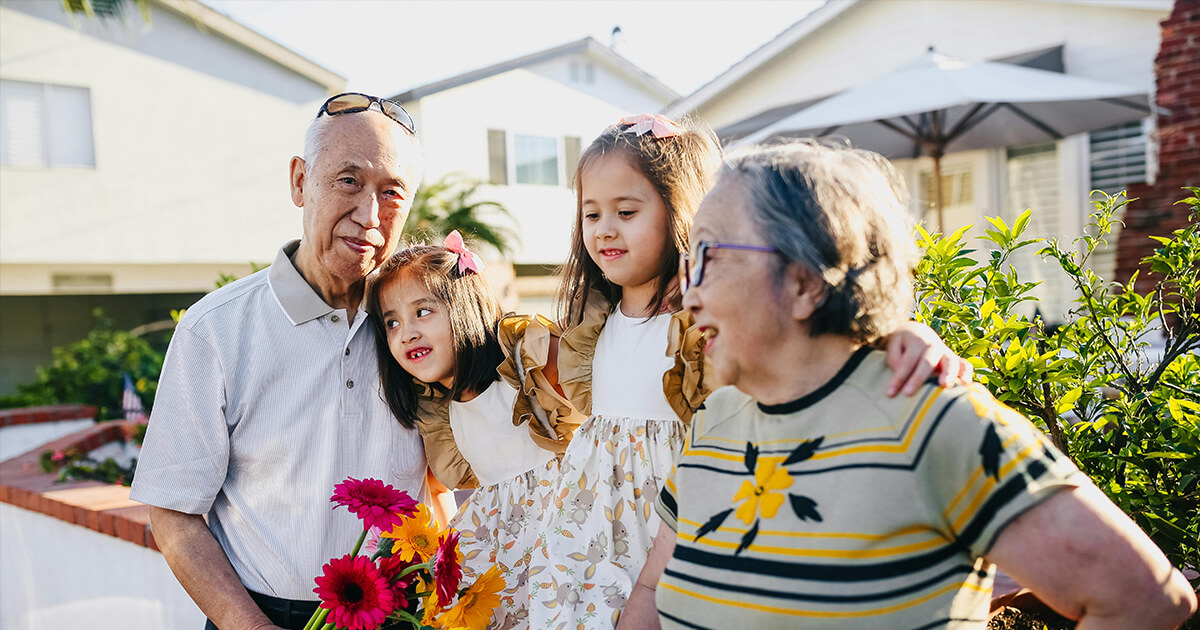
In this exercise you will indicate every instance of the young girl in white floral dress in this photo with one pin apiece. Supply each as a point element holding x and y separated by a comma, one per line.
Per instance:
<point>480,389</point>
<point>630,361</point>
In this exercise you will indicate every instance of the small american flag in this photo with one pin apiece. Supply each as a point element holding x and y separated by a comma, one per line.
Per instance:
<point>131,403</point>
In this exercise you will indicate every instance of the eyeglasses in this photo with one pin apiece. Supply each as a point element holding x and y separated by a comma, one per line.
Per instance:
<point>691,277</point>
<point>354,102</point>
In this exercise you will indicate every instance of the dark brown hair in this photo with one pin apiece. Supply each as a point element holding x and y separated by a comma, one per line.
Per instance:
<point>681,169</point>
<point>473,312</point>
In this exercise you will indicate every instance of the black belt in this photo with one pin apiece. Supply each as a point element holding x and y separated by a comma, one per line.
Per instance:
<point>285,613</point>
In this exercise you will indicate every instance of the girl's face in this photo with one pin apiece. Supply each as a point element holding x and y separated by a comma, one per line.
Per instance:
<point>418,330</point>
<point>624,222</point>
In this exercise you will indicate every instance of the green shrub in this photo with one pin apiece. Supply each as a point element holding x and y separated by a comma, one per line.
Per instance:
<point>1126,412</point>
<point>90,370</point>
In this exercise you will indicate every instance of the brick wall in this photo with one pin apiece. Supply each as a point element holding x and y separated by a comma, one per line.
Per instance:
<point>1177,76</point>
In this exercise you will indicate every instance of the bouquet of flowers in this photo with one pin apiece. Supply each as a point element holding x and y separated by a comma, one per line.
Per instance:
<point>413,577</point>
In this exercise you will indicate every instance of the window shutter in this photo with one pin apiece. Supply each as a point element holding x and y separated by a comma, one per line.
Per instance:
<point>497,158</point>
<point>21,124</point>
<point>571,152</point>
<point>1118,156</point>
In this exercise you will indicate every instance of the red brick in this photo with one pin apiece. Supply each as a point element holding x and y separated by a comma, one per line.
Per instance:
<point>93,520</point>
<point>108,524</point>
<point>150,541</point>
<point>80,516</point>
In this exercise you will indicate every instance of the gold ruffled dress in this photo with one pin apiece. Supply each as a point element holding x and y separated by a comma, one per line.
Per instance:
<point>602,522</point>
<point>504,443</point>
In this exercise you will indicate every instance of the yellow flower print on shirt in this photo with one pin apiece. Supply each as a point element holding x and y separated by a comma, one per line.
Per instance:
<point>763,495</point>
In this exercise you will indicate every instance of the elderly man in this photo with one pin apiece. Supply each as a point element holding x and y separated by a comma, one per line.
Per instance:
<point>269,393</point>
<point>804,496</point>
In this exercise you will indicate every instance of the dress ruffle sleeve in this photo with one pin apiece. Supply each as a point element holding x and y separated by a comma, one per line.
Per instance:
<point>577,348</point>
<point>526,339</point>
<point>689,381</point>
<point>441,451</point>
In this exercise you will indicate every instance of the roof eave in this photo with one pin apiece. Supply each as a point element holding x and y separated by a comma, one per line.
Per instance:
<point>587,45</point>
<point>751,62</point>
<point>207,17</point>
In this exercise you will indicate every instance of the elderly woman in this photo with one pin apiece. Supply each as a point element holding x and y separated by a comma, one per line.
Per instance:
<point>804,496</point>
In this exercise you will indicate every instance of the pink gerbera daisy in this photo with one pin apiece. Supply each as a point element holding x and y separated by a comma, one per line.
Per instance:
<point>447,570</point>
<point>357,596</point>
<point>376,503</point>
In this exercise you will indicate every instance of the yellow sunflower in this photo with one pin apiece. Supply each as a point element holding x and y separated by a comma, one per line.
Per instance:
<point>767,477</point>
<point>432,607</point>
<point>474,608</point>
<point>416,537</point>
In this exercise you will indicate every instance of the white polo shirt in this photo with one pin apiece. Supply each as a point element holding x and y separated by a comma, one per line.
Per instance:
<point>268,399</point>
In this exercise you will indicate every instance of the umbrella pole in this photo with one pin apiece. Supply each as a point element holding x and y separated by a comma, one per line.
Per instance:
<point>937,189</point>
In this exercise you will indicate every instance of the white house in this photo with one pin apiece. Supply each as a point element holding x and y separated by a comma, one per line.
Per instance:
<point>520,125</point>
<point>138,162</point>
<point>846,42</point>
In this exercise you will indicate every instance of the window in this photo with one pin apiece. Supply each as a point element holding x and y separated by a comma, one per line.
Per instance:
<point>958,188</point>
<point>582,72</point>
<point>1118,156</point>
<point>45,125</point>
<point>536,159</point>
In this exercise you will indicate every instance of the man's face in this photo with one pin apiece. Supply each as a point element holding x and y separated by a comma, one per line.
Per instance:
<point>356,195</point>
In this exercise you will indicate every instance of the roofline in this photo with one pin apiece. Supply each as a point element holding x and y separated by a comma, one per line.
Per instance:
<point>761,55</point>
<point>585,45</point>
<point>815,20</point>
<point>207,17</point>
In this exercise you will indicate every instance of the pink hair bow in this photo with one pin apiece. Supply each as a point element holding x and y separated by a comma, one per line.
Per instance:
<point>467,260</point>
<point>657,124</point>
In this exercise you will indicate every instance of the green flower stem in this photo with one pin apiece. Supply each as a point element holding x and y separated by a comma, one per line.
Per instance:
<point>407,616</point>
<point>428,566</point>
<point>317,619</point>
<point>358,545</point>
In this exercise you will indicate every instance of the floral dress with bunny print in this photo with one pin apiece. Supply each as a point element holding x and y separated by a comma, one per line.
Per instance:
<point>633,377</point>
<point>503,442</point>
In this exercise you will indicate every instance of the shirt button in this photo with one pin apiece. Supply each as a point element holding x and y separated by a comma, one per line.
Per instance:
<point>334,318</point>
<point>347,351</point>
<point>350,384</point>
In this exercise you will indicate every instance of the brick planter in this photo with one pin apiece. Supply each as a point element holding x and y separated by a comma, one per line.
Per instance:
<point>105,508</point>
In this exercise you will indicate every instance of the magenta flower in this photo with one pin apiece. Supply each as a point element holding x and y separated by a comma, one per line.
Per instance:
<point>357,596</point>
<point>447,567</point>
<point>376,503</point>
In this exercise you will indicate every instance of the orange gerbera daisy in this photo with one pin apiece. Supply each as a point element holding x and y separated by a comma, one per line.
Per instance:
<point>474,608</point>
<point>416,538</point>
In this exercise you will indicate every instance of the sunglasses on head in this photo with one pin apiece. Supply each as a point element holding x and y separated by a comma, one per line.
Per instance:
<point>354,102</point>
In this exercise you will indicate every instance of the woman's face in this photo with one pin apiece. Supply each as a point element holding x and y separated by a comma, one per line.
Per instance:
<point>739,304</point>
<point>418,330</point>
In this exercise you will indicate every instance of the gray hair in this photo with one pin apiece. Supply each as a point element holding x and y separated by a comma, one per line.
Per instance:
<point>314,143</point>
<point>840,214</point>
<point>314,139</point>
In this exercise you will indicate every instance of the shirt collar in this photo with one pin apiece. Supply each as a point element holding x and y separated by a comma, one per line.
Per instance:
<point>297,299</point>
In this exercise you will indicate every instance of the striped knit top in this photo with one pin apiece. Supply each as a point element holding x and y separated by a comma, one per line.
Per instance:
<point>846,508</point>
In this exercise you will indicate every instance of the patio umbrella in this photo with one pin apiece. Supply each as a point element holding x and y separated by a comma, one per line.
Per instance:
<point>937,104</point>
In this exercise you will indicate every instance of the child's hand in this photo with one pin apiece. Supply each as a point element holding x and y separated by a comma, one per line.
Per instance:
<point>914,352</point>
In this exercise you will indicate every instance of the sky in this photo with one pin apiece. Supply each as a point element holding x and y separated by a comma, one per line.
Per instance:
<point>385,47</point>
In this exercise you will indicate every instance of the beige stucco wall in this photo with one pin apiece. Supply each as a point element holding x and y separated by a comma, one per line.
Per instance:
<point>191,164</point>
